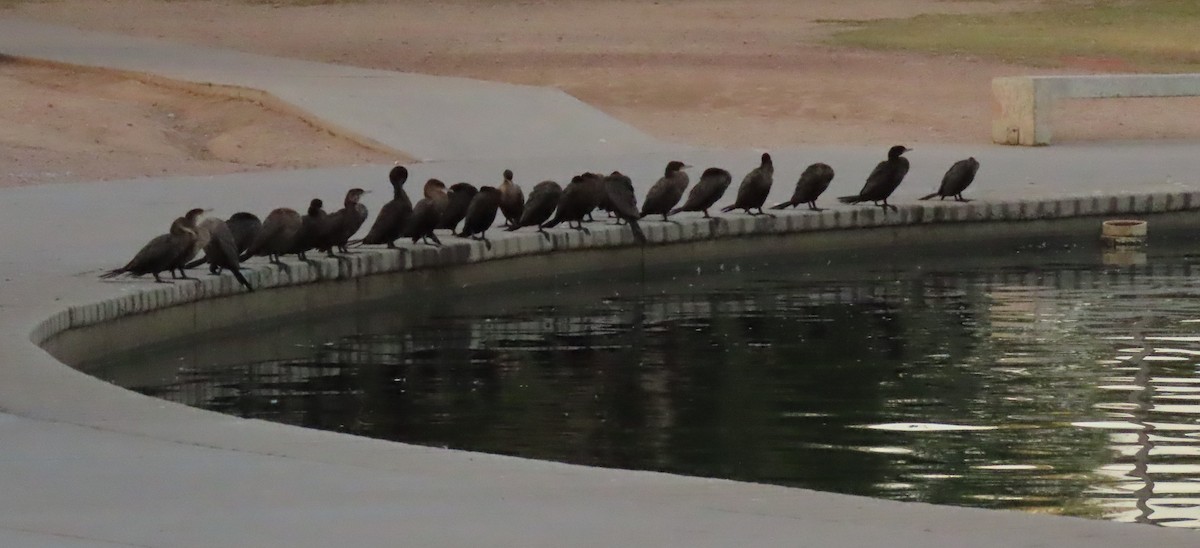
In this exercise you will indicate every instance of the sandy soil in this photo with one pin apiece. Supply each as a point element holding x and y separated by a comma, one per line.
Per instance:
<point>717,72</point>
<point>60,124</point>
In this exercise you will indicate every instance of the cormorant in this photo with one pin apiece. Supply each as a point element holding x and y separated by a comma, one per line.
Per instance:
<point>277,236</point>
<point>592,193</point>
<point>184,260</point>
<point>883,180</point>
<point>389,224</point>
<point>481,214</point>
<point>427,213</point>
<point>667,191</point>
<point>711,187</point>
<point>512,200</point>
<point>957,179</point>
<point>456,208</point>
<point>312,227</point>
<point>340,225</point>
<point>812,183</point>
<point>160,253</point>
<point>541,205</point>
<point>221,251</point>
<point>756,185</point>
<point>577,200</point>
<point>619,189</point>
<point>244,227</point>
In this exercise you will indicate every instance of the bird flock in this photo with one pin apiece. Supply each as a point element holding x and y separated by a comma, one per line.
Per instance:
<point>284,231</point>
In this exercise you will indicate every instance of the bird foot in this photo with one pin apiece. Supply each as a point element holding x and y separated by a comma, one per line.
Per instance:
<point>961,199</point>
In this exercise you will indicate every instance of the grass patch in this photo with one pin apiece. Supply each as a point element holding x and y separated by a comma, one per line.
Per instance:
<point>1150,35</point>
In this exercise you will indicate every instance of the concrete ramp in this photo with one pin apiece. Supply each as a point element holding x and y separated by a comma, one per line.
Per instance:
<point>428,117</point>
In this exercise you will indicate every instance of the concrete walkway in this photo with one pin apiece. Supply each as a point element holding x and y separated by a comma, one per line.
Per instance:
<point>84,463</point>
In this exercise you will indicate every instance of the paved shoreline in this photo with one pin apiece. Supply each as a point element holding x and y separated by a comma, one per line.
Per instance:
<point>89,464</point>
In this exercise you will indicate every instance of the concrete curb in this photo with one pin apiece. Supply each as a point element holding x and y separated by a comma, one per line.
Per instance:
<point>461,252</point>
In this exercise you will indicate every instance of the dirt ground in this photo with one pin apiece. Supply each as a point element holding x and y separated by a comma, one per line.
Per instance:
<point>60,124</point>
<point>712,72</point>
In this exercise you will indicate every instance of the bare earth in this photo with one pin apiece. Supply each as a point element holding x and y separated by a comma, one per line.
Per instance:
<point>712,72</point>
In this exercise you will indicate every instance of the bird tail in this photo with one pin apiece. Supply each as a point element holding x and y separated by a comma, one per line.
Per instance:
<point>783,205</point>
<point>237,273</point>
<point>851,199</point>
<point>112,273</point>
<point>513,227</point>
<point>357,243</point>
<point>196,262</point>
<point>727,209</point>
<point>638,235</point>
<point>675,211</point>
<point>927,197</point>
<point>551,223</point>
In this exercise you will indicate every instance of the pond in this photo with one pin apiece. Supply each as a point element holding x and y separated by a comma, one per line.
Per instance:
<point>1050,377</point>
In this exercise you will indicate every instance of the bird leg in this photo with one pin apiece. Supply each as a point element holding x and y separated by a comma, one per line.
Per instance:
<point>812,206</point>
<point>392,245</point>
<point>959,198</point>
<point>183,275</point>
<point>160,280</point>
<point>886,205</point>
<point>761,212</point>
<point>543,232</point>
<point>706,215</point>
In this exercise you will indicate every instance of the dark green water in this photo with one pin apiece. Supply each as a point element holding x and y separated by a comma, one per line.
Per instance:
<point>1040,378</point>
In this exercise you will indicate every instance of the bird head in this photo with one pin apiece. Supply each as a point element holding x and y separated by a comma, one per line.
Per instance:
<point>398,175</point>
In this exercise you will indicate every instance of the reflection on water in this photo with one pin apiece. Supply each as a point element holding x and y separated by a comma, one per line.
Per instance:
<point>1048,382</point>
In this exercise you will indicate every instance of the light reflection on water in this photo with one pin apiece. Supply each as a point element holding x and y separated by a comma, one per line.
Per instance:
<point>1066,387</point>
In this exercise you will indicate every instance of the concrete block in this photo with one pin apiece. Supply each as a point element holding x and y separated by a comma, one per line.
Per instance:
<point>1022,104</point>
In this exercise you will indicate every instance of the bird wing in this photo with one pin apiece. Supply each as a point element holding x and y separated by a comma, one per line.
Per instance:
<point>876,180</point>
<point>958,177</point>
<point>656,197</point>
<point>621,197</point>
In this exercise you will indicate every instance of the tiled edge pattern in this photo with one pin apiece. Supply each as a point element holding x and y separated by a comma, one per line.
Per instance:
<point>734,225</point>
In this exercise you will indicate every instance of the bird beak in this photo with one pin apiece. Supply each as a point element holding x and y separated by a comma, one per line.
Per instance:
<point>209,210</point>
<point>366,192</point>
<point>907,150</point>
<point>685,166</point>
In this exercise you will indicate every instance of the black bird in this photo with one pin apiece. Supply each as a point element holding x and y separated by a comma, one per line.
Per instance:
<point>756,185</point>
<point>577,200</point>
<point>340,225</point>
<point>312,226</point>
<point>389,224</point>
<point>623,201</point>
<point>592,193</point>
<point>459,198</point>
<point>481,214</point>
<point>512,199</point>
<point>428,213</point>
<point>541,205</point>
<point>184,260</point>
<point>812,184</point>
<point>160,253</point>
<point>221,250</point>
<point>667,191</point>
<point>277,236</point>
<point>957,179</point>
<point>245,228</point>
<point>883,180</point>
<point>711,187</point>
